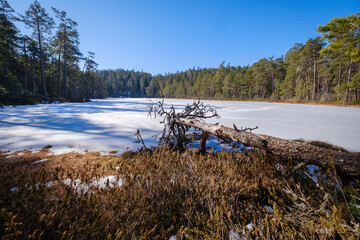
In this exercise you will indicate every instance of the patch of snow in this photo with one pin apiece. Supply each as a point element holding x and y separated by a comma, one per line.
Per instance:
<point>40,161</point>
<point>184,235</point>
<point>107,182</point>
<point>313,170</point>
<point>102,182</point>
<point>280,168</point>
<point>269,208</point>
<point>233,235</point>
<point>107,124</point>
<point>250,226</point>
<point>49,184</point>
<point>77,185</point>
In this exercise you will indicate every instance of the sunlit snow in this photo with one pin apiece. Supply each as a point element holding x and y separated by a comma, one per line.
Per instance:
<point>110,124</point>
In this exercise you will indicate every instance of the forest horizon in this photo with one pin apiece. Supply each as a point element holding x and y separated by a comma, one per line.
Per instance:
<point>48,63</point>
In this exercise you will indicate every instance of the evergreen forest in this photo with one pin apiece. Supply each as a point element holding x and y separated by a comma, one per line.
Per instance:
<point>48,65</point>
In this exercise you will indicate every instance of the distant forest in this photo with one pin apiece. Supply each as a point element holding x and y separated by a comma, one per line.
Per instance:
<point>49,64</point>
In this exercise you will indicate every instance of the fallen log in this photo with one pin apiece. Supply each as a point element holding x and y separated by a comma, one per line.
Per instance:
<point>345,163</point>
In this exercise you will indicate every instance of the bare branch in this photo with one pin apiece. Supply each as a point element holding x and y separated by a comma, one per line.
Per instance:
<point>173,133</point>
<point>140,139</point>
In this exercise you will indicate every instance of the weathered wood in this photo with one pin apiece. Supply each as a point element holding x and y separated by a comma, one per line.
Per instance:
<point>204,137</point>
<point>345,163</point>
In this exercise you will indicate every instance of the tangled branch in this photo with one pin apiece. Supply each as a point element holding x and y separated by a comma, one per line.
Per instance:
<point>173,133</point>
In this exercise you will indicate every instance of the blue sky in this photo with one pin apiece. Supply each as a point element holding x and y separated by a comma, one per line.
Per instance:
<point>168,36</point>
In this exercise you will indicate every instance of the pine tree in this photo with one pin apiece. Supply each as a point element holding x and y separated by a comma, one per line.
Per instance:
<point>67,36</point>
<point>343,35</point>
<point>41,23</point>
<point>9,43</point>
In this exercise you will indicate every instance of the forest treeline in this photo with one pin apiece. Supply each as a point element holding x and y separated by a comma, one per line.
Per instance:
<point>325,68</point>
<point>49,64</point>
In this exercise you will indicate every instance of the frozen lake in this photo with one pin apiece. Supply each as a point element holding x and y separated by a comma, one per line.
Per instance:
<point>110,124</point>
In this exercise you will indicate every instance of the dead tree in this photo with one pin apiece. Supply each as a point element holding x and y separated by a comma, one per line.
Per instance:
<point>174,134</point>
<point>176,125</point>
<point>344,162</point>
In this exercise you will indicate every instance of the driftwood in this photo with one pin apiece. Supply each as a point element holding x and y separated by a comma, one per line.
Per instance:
<point>345,163</point>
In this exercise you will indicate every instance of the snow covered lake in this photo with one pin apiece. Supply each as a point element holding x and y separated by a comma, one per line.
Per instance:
<point>110,124</point>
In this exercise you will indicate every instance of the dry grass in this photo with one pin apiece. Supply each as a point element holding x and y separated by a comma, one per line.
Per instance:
<point>166,193</point>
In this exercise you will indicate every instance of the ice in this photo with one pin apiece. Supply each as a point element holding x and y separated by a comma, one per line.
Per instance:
<point>110,124</point>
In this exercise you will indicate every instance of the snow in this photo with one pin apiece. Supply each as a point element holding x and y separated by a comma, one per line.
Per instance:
<point>269,208</point>
<point>280,168</point>
<point>249,226</point>
<point>233,235</point>
<point>313,170</point>
<point>40,161</point>
<point>110,124</point>
<point>111,181</point>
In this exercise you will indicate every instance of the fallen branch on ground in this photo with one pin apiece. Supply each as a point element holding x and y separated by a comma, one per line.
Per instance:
<point>345,163</point>
<point>310,152</point>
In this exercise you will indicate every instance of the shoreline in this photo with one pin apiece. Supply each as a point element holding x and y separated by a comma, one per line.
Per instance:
<point>25,100</point>
<point>336,104</point>
<point>40,100</point>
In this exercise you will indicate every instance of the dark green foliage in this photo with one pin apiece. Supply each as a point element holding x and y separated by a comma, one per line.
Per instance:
<point>322,69</point>
<point>127,83</point>
<point>8,45</point>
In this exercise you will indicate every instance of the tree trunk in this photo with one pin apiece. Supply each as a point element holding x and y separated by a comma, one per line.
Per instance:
<point>65,69</point>
<point>41,62</point>
<point>71,83</point>
<point>26,67</point>
<point>340,72</point>
<point>345,163</point>
<point>349,80</point>
<point>59,77</point>
<point>6,82</point>
<point>33,76</point>
<point>315,84</point>
<point>53,75</point>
